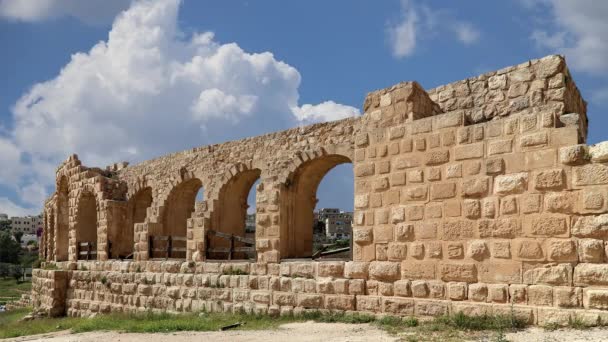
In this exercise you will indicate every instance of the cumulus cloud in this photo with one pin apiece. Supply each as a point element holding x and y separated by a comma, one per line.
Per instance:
<point>147,91</point>
<point>9,208</point>
<point>93,12</point>
<point>325,111</point>
<point>402,36</point>
<point>466,32</point>
<point>420,20</point>
<point>577,29</point>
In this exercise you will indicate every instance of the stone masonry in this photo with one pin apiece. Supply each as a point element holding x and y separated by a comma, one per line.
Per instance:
<point>478,196</point>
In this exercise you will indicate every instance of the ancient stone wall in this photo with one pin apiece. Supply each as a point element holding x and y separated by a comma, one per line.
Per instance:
<point>478,196</point>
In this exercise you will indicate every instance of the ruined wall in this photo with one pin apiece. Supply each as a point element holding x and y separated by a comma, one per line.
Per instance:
<point>476,197</point>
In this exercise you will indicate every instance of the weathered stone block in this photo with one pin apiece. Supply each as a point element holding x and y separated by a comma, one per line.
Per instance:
<point>511,184</point>
<point>381,270</point>
<point>458,272</point>
<point>551,275</point>
<point>540,295</point>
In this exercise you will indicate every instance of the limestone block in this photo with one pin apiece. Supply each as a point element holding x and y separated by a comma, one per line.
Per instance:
<point>501,249</point>
<point>425,230</point>
<point>475,187</point>
<point>591,226</point>
<point>471,208</point>
<point>591,174</point>
<point>501,228</point>
<point>560,202</point>
<point>398,306</point>
<point>574,155</point>
<point>478,292</point>
<point>340,302</point>
<point>551,275</point>
<point>404,232</point>
<point>518,293</point>
<point>382,270</point>
<point>595,298</point>
<point>599,152</point>
<point>593,199</point>
<point>500,272</point>
<point>330,269</point>
<point>457,291</point>
<point>309,301</point>
<point>591,274</point>
<point>418,269</point>
<point>591,250</point>
<point>455,250</point>
<point>549,179</point>
<point>441,191</point>
<point>529,249</point>
<point>511,183</point>
<point>356,270</point>
<point>363,235</point>
<point>283,298</point>
<point>500,146</point>
<point>437,157</point>
<point>416,193</point>
<point>498,293</point>
<point>458,229</point>
<point>568,297</point>
<point>562,250</point>
<point>458,272</point>
<point>478,250</point>
<point>469,151</point>
<point>546,225</point>
<point>430,308</point>
<point>420,289</point>
<point>402,288</point>
<point>495,166</point>
<point>540,295</point>
<point>397,251</point>
<point>368,303</point>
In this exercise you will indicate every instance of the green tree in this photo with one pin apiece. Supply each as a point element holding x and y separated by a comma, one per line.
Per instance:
<point>10,249</point>
<point>5,225</point>
<point>18,236</point>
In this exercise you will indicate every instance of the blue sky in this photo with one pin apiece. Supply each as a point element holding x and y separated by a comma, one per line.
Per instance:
<point>165,76</point>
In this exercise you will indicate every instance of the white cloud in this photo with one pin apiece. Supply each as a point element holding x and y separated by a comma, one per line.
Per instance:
<point>11,167</point>
<point>403,35</point>
<point>147,91</point>
<point>419,21</point>
<point>9,208</point>
<point>466,32</point>
<point>33,194</point>
<point>90,11</point>
<point>578,29</point>
<point>325,111</point>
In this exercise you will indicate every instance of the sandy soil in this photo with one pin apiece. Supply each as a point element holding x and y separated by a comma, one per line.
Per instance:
<point>309,331</point>
<point>292,332</point>
<point>567,335</point>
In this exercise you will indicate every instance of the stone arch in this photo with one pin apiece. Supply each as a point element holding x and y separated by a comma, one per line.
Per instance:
<point>62,221</point>
<point>86,222</point>
<point>139,199</point>
<point>298,199</point>
<point>229,211</point>
<point>179,207</point>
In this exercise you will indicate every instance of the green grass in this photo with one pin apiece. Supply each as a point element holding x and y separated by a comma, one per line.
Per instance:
<point>12,290</point>
<point>445,328</point>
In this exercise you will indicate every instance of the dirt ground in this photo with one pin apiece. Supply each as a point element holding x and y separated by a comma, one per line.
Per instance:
<point>310,331</point>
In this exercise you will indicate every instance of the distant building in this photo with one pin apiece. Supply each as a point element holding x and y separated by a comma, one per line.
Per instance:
<point>26,224</point>
<point>27,238</point>
<point>338,223</point>
<point>250,223</point>
<point>3,217</point>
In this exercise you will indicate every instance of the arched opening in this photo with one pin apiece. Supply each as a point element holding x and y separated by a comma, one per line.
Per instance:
<point>298,202</point>
<point>62,227</point>
<point>86,227</point>
<point>232,220</point>
<point>171,243</point>
<point>122,239</point>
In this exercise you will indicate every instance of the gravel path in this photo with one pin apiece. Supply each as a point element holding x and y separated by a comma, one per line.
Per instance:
<point>292,332</point>
<point>307,331</point>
